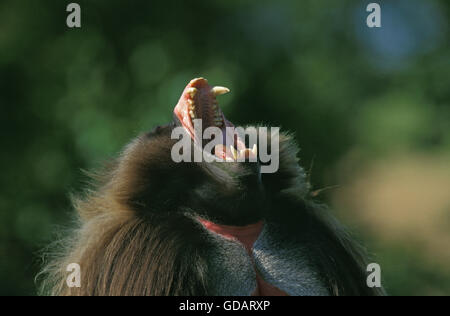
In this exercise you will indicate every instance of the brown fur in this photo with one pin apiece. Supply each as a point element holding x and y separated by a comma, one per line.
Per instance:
<point>135,234</point>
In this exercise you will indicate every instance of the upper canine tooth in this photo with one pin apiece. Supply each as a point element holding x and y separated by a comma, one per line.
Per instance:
<point>192,91</point>
<point>219,91</point>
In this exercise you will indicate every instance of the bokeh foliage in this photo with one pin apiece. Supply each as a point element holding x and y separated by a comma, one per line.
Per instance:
<point>71,98</point>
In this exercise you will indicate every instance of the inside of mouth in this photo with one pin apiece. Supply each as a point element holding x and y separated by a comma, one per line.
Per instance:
<point>198,104</point>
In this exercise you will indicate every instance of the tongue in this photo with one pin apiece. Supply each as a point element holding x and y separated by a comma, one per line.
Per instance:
<point>198,101</point>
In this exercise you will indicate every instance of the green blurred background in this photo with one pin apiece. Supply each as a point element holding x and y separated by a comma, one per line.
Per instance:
<point>370,109</point>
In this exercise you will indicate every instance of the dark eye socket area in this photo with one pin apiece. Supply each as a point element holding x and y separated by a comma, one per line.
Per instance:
<point>159,129</point>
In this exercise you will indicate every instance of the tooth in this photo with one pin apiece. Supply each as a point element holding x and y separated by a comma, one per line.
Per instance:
<point>255,150</point>
<point>192,92</point>
<point>194,81</point>
<point>219,91</point>
<point>234,152</point>
<point>191,113</point>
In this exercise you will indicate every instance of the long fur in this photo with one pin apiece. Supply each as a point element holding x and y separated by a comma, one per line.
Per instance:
<point>135,232</point>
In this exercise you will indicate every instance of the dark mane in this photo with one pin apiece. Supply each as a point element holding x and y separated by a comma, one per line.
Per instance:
<point>135,236</point>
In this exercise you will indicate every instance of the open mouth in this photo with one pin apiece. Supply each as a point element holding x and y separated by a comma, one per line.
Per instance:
<point>198,102</point>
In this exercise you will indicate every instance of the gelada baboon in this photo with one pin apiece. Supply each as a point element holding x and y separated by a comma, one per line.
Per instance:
<point>154,226</point>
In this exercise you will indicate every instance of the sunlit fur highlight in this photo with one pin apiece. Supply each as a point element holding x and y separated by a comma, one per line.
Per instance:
<point>134,236</point>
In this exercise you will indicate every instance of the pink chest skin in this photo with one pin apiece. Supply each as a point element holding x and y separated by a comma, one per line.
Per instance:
<point>247,236</point>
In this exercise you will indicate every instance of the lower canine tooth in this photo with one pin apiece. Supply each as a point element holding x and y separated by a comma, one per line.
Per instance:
<point>255,150</point>
<point>234,152</point>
